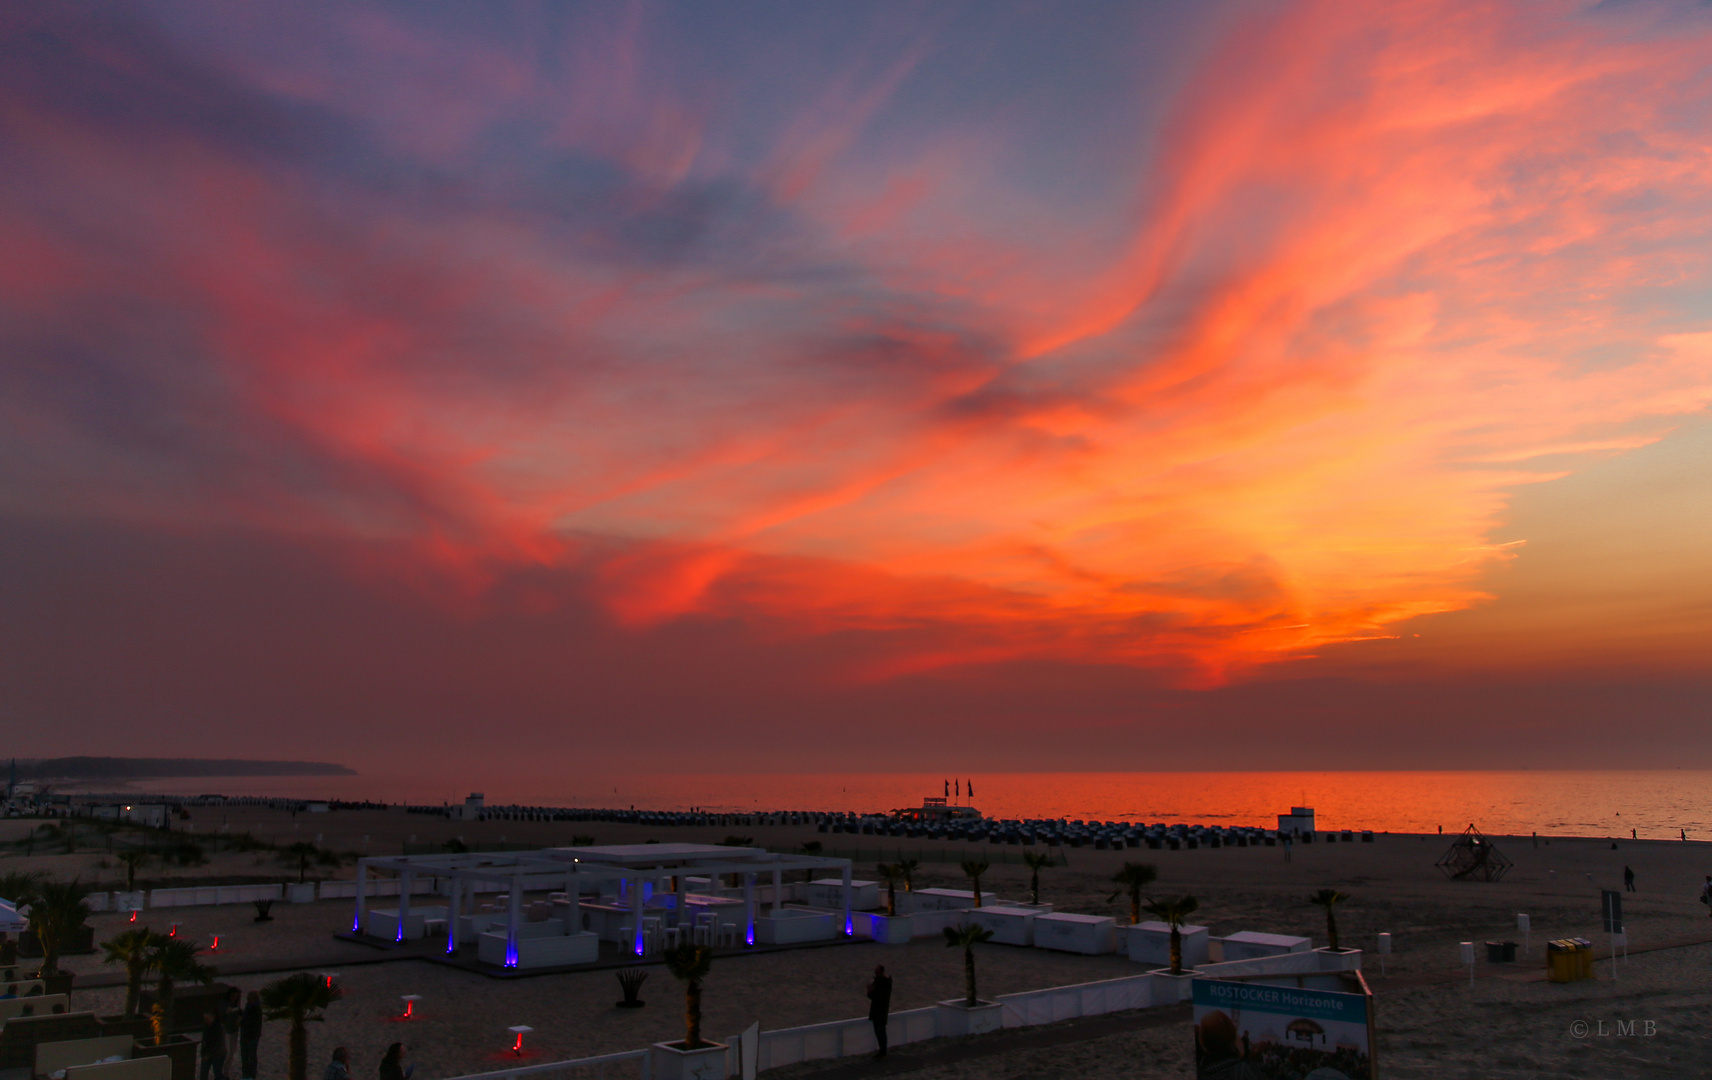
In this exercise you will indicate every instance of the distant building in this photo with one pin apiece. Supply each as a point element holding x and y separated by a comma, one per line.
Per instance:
<point>472,808</point>
<point>936,809</point>
<point>1299,820</point>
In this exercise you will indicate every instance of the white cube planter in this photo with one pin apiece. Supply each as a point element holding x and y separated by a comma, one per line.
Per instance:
<point>941,900</point>
<point>1251,945</point>
<point>1010,925</point>
<point>883,929</point>
<point>1150,943</point>
<point>670,1061</point>
<point>539,951</point>
<point>793,926</point>
<point>1169,989</point>
<point>300,893</point>
<point>1091,935</point>
<point>1342,960</point>
<point>957,1018</point>
<point>829,893</point>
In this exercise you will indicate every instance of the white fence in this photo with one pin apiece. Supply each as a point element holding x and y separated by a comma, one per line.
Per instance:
<point>347,889</point>
<point>1084,999</point>
<point>219,894</point>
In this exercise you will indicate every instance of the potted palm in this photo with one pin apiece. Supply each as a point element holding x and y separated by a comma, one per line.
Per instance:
<point>1173,911</point>
<point>135,949</point>
<point>57,913</point>
<point>173,962</point>
<point>890,928</point>
<point>908,867</point>
<point>971,1015</point>
<point>1036,862</point>
<point>1134,877</point>
<point>689,964</point>
<point>973,869</point>
<point>302,999</point>
<point>1333,957</point>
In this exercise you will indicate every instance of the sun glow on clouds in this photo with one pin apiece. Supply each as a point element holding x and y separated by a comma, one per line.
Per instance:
<point>822,349</point>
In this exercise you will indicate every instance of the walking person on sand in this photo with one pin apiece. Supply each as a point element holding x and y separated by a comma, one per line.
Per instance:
<point>1706,894</point>
<point>392,1066</point>
<point>880,1005</point>
<point>213,1046</point>
<point>1629,879</point>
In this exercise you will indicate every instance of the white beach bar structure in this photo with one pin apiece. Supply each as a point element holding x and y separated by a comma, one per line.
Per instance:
<point>628,871</point>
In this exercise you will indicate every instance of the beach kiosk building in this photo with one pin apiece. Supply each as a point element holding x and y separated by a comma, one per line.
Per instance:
<point>637,895</point>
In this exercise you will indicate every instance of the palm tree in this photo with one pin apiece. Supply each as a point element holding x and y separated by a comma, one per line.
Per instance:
<point>973,870</point>
<point>135,948</point>
<point>1035,863</point>
<point>690,965</point>
<point>908,867</point>
<point>891,874</point>
<point>966,938</point>
<point>1173,911</point>
<point>1330,899</point>
<point>57,911</point>
<point>175,962</point>
<point>1134,877</point>
<point>303,853</point>
<point>301,998</point>
<point>134,860</point>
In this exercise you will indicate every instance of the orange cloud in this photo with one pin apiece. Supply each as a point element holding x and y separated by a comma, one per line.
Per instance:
<point>1271,390</point>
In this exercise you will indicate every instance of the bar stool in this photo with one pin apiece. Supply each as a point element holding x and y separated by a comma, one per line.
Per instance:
<point>674,936</point>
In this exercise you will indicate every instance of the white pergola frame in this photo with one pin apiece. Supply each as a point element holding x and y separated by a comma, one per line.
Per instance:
<point>551,868</point>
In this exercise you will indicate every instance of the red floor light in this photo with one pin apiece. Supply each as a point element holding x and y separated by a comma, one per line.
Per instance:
<point>520,1030</point>
<point>410,1001</point>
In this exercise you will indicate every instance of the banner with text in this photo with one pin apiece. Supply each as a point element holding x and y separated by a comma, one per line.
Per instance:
<point>1249,1031</point>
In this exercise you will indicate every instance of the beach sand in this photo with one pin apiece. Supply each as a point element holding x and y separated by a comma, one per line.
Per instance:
<point>1511,1023</point>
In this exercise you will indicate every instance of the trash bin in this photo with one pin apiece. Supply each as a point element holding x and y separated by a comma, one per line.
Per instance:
<point>1495,952</point>
<point>1584,958</point>
<point>1509,952</point>
<point>1561,963</point>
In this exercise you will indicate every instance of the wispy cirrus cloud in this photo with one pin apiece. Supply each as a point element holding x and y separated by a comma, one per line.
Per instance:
<point>785,330</point>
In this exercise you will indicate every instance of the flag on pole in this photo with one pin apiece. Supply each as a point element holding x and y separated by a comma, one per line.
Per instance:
<point>959,783</point>
<point>948,788</point>
<point>969,786</point>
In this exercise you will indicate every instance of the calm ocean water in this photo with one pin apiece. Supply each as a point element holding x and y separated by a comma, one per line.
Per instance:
<point>1652,803</point>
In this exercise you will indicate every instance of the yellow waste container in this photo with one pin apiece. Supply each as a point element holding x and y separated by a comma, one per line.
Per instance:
<point>1562,961</point>
<point>1584,958</point>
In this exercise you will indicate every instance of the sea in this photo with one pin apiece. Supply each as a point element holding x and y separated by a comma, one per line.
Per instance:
<point>1652,804</point>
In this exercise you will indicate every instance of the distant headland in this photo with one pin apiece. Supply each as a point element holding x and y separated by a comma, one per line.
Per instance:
<point>121,768</point>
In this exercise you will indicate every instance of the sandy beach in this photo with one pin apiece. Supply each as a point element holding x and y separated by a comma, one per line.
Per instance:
<point>1510,1023</point>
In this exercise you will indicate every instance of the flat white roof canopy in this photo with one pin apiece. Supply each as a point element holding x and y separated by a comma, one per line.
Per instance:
<point>655,855</point>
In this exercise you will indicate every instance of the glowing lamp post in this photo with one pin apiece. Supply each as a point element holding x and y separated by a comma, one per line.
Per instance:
<point>216,946</point>
<point>410,1001</point>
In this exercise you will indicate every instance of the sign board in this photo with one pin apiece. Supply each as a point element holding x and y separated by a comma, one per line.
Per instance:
<point>1259,1032</point>
<point>1611,910</point>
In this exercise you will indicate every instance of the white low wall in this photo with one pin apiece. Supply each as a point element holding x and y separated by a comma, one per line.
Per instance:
<point>210,895</point>
<point>347,889</point>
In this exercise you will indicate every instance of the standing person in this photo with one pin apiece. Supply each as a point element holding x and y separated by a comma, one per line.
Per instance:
<point>249,1036</point>
<point>231,1010</point>
<point>340,1067</point>
<point>880,1005</point>
<point>213,1046</point>
<point>1628,879</point>
<point>392,1066</point>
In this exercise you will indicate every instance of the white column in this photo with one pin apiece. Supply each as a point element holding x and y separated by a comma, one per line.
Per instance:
<point>362,887</point>
<point>849,928</point>
<point>405,880</point>
<point>574,912</point>
<point>453,906</point>
<point>513,911</point>
<point>778,888</point>
<point>683,893</point>
<point>749,909</point>
<point>636,914</point>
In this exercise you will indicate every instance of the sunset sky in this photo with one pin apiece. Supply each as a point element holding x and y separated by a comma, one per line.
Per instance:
<point>821,386</point>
